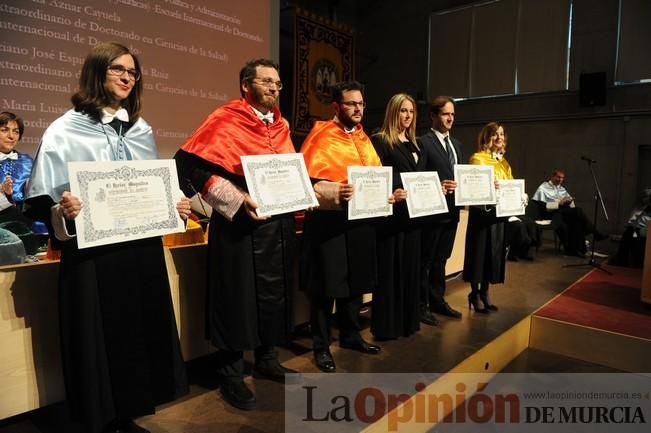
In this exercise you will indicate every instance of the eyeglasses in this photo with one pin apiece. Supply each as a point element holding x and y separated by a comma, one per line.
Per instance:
<point>119,70</point>
<point>354,104</point>
<point>269,83</point>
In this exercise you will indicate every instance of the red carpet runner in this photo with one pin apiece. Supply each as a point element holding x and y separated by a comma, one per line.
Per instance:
<point>608,302</point>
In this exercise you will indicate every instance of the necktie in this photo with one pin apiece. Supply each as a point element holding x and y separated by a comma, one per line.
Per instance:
<point>448,149</point>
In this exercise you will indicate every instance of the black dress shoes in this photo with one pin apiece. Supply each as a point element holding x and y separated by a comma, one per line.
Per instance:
<point>324,361</point>
<point>237,394</point>
<point>428,318</point>
<point>360,346</point>
<point>273,370</point>
<point>445,310</point>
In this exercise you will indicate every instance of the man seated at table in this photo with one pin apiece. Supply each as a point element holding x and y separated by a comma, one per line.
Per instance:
<point>569,222</point>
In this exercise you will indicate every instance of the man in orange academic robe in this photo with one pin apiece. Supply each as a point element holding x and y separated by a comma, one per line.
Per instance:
<point>338,258</point>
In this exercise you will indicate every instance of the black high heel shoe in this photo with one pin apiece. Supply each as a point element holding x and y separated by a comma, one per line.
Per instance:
<point>473,301</point>
<point>484,299</point>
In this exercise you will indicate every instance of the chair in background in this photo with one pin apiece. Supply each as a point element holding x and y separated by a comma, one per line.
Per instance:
<point>536,211</point>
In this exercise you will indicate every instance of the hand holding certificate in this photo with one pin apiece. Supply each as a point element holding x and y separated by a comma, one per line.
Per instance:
<point>475,185</point>
<point>278,183</point>
<point>125,200</point>
<point>424,194</point>
<point>510,200</point>
<point>372,187</point>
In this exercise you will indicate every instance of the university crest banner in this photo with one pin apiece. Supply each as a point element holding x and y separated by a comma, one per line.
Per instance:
<point>323,56</point>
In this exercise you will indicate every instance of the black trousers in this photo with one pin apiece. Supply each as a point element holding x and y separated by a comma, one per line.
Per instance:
<point>436,249</point>
<point>231,362</point>
<point>347,315</point>
<point>520,235</point>
<point>572,225</point>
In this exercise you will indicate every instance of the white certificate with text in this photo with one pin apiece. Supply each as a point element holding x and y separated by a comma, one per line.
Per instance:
<point>125,200</point>
<point>475,185</point>
<point>372,187</point>
<point>424,193</point>
<point>510,198</point>
<point>278,183</point>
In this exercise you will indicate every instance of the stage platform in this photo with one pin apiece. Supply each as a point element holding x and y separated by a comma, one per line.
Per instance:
<point>598,324</point>
<point>499,342</point>
<point>599,319</point>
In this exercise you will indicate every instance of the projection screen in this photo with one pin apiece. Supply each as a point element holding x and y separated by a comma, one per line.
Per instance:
<point>190,50</point>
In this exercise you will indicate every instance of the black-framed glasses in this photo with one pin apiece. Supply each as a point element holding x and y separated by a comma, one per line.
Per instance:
<point>354,104</point>
<point>119,70</point>
<point>269,83</point>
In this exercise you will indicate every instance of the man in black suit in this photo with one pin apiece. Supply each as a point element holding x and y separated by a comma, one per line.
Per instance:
<point>438,232</point>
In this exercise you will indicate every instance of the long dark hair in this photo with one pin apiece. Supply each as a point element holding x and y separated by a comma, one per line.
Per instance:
<point>92,95</point>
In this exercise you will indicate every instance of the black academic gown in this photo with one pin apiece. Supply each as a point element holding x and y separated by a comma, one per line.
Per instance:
<point>485,257</point>
<point>397,296</point>
<point>119,341</point>
<point>250,268</point>
<point>338,255</point>
<point>121,353</point>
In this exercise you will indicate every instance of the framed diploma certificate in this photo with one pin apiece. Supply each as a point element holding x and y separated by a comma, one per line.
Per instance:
<point>424,194</point>
<point>510,198</point>
<point>125,200</point>
<point>475,185</point>
<point>372,187</point>
<point>278,183</point>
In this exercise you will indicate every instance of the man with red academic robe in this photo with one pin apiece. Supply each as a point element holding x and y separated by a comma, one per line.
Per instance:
<point>249,257</point>
<point>338,258</point>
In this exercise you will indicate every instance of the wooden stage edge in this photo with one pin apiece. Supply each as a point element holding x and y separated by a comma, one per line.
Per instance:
<point>567,339</point>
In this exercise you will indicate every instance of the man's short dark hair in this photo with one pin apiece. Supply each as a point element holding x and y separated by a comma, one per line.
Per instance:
<point>339,88</point>
<point>248,71</point>
<point>439,102</point>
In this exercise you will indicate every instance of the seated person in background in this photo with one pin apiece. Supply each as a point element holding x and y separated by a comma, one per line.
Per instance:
<point>15,168</point>
<point>569,222</point>
<point>631,247</point>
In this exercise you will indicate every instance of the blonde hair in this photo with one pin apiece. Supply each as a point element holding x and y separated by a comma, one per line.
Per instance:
<point>390,130</point>
<point>484,137</point>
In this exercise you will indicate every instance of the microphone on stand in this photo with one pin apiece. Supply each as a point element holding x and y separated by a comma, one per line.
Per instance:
<point>590,160</point>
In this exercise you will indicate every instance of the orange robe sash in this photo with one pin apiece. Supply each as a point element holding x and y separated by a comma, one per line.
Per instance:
<point>329,150</point>
<point>233,130</point>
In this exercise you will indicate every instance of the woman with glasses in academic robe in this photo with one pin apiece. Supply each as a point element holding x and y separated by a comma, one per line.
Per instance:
<point>119,342</point>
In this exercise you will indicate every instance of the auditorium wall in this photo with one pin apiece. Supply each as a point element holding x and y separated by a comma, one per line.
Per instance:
<point>545,130</point>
